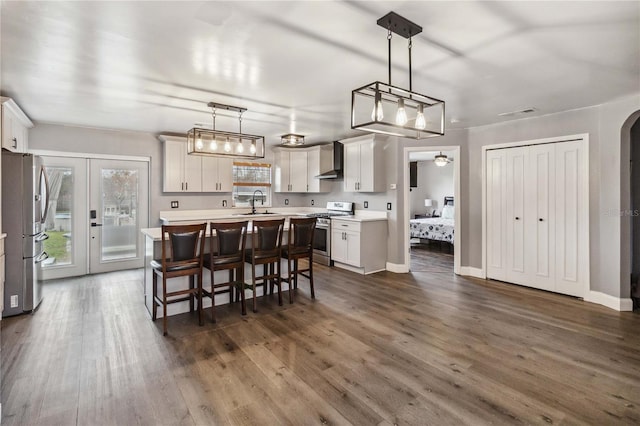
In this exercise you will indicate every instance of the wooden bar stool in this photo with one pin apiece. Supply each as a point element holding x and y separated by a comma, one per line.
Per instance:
<point>266,250</point>
<point>299,246</point>
<point>226,252</point>
<point>185,246</point>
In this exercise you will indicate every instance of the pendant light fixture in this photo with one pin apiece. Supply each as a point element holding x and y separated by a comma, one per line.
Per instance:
<point>382,108</point>
<point>212,142</point>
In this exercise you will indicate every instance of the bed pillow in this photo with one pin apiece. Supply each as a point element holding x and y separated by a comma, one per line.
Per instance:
<point>448,212</point>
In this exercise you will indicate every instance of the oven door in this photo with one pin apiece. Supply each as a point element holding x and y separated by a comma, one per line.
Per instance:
<point>322,244</point>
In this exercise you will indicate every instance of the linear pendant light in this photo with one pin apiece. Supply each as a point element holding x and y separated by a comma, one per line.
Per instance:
<point>382,108</point>
<point>218,143</point>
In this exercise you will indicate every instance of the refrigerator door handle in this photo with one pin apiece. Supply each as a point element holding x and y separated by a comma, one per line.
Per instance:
<point>43,256</point>
<point>43,174</point>
<point>42,237</point>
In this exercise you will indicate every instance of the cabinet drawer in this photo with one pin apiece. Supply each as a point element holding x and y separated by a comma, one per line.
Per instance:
<point>345,225</point>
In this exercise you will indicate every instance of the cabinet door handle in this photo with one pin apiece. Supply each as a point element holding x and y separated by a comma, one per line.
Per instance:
<point>186,186</point>
<point>517,218</point>
<point>182,186</point>
<point>541,220</point>
<point>15,142</point>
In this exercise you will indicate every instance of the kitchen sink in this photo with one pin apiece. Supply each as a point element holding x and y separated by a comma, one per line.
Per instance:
<point>253,214</point>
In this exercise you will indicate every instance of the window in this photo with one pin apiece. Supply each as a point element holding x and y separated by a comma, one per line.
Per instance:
<point>249,178</point>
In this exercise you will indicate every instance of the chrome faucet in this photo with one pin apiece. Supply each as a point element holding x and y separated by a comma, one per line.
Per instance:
<point>253,200</point>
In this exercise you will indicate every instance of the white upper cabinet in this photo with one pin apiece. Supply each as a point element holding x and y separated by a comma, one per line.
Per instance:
<point>296,169</point>
<point>182,172</point>
<point>217,174</point>
<point>15,127</point>
<point>364,169</point>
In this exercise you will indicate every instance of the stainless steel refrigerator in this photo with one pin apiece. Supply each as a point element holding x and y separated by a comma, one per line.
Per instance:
<point>25,201</point>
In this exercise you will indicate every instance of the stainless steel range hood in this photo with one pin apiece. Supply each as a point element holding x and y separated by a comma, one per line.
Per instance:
<point>336,171</point>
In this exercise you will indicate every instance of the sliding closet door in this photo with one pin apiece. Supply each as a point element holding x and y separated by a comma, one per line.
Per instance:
<point>496,203</point>
<point>572,218</point>
<point>540,222</point>
<point>516,195</point>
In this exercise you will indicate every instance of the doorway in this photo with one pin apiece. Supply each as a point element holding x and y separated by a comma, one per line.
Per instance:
<point>98,207</point>
<point>635,213</point>
<point>433,249</point>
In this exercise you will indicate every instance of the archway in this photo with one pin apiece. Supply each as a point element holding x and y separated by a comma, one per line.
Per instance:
<point>630,203</point>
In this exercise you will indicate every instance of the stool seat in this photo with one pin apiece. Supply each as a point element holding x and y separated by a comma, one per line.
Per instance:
<point>157,264</point>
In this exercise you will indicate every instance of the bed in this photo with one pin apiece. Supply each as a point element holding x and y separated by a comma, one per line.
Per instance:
<point>435,228</point>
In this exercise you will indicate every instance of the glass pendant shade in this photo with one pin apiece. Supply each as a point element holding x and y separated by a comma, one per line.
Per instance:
<point>401,114</point>
<point>421,123</point>
<point>441,160</point>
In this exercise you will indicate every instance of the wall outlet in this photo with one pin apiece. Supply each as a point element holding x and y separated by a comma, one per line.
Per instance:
<point>14,301</point>
<point>392,186</point>
<point>388,206</point>
<point>313,202</point>
<point>366,204</point>
<point>286,201</point>
<point>175,204</point>
<point>224,203</point>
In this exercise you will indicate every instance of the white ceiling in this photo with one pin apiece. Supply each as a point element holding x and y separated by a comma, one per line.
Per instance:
<point>153,66</point>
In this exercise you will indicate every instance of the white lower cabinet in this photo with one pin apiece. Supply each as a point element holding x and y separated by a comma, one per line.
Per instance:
<point>360,246</point>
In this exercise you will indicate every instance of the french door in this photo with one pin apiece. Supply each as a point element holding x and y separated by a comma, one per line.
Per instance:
<point>97,208</point>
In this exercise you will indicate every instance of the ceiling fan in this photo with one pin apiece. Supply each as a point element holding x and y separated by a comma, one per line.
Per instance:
<point>441,160</point>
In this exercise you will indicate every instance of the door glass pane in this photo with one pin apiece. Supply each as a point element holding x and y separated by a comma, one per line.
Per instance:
<point>119,214</point>
<point>59,221</point>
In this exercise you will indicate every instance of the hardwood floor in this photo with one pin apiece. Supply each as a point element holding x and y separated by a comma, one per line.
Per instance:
<point>432,257</point>
<point>420,348</point>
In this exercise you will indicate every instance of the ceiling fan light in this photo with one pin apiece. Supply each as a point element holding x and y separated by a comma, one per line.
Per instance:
<point>441,160</point>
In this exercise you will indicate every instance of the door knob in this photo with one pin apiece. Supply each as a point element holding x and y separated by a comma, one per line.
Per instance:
<point>517,218</point>
<point>541,220</point>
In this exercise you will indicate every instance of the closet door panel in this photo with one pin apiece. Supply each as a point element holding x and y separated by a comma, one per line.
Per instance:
<point>496,214</point>
<point>572,228</point>
<point>541,223</point>
<point>516,195</point>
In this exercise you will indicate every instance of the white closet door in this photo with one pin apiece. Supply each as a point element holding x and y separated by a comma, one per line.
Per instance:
<point>572,227</point>
<point>516,195</point>
<point>540,223</point>
<point>496,204</point>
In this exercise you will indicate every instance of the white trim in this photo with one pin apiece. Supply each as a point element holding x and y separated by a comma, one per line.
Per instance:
<point>458,202</point>
<point>397,268</point>
<point>11,105</point>
<point>88,155</point>
<point>612,302</point>
<point>469,271</point>
<point>537,141</point>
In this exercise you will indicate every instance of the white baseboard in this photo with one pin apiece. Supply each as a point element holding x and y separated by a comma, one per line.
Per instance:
<point>612,302</point>
<point>472,272</point>
<point>398,268</point>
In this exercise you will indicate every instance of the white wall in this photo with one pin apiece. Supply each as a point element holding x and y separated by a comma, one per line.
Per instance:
<point>434,183</point>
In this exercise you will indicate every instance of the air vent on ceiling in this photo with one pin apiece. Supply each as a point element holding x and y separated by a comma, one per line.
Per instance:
<point>522,111</point>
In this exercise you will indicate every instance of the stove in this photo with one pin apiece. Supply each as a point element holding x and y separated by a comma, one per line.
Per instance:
<point>322,236</point>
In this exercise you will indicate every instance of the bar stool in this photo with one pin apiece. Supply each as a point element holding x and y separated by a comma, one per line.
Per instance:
<point>185,245</point>
<point>299,246</point>
<point>266,250</point>
<point>226,252</point>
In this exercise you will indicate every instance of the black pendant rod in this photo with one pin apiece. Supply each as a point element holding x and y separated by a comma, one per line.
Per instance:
<point>410,87</point>
<point>389,43</point>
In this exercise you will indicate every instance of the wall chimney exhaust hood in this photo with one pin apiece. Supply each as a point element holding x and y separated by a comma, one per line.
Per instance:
<point>336,172</point>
